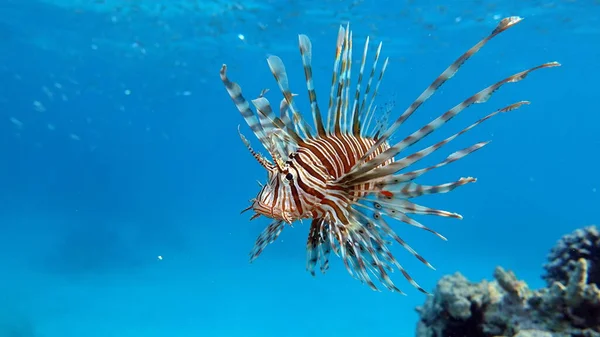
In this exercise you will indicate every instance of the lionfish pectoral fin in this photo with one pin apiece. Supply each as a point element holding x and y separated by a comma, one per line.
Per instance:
<point>368,253</point>
<point>268,235</point>
<point>318,246</point>
<point>379,229</point>
<point>371,171</point>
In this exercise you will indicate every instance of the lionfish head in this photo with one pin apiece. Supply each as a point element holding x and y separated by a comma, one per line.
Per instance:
<point>276,198</point>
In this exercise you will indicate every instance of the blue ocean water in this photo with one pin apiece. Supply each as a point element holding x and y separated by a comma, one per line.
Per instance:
<point>123,176</point>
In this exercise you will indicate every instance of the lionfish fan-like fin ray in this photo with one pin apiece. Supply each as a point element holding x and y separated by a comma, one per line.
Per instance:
<point>373,229</point>
<point>361,257</point>
<point>376,91</point>
<point>363,252</point>
<point>411,159</point>
<point>502,26</point>
<point>339,113</point>
<point>381,223</point>
<point>363,104</point>
<point>480,97</point>
<point>263,107</point>
<point>235,93</point>
<point>278,70</point>
<point>266,237</point>
<point>284,113</point>
<point>333,102</point>
<point>381,123</point>
<point>394,180</point>
<point>357,93</point>
<point>347,76</point>
<point>410,189</point>
<point>287,122</point>
<point>368,119</point>
<point>278,133</point>
<point>379,209</point>
<point>392,207</point>
<point>306,53</point>
<point>318,246</point>
<point>274,133</point>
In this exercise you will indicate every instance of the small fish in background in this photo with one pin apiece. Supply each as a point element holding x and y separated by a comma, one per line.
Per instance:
<point>343,176</point>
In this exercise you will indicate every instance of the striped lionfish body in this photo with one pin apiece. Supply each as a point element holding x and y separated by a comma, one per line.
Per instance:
<point>344,174</point>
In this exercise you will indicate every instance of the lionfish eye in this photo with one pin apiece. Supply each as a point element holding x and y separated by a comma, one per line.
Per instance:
<point>289,176</point>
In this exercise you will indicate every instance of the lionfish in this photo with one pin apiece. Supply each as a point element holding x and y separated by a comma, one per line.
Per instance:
<point>345,175</point>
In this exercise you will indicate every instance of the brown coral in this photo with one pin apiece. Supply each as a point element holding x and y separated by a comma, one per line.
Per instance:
<point>507,307</point>
<point>562,259</point>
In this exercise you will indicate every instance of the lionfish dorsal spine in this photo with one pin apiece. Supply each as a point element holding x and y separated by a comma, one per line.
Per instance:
<point>235,92</point>
<point>357,93</point>
<point>306,54</point>
<point>278,70</point>
<point>363,104</point>
<point>334,79</point>
<point>347,73</point>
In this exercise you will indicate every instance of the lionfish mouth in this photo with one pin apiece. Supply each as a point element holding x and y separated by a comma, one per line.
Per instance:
<point>270,212</point>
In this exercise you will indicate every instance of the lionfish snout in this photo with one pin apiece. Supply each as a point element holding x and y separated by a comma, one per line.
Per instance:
<point>273,212</point>
<point>263,205</point>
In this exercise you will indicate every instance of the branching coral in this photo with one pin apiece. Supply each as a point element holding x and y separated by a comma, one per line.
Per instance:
<point>507,307</point>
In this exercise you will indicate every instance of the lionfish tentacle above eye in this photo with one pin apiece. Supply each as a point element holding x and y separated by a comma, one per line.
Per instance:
<point>264,162</point>
<point>346,177</point>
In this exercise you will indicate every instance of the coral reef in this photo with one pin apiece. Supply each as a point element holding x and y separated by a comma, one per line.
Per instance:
<point>507,307</point>
<point>582,243</point>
